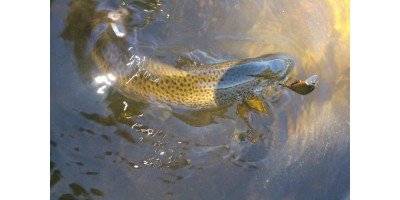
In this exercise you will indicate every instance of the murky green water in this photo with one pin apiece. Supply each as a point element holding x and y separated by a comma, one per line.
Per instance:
<point>105,146</point>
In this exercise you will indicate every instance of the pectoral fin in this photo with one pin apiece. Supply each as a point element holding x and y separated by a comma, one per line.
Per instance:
<point>258,105</point>
<point>243,111</point>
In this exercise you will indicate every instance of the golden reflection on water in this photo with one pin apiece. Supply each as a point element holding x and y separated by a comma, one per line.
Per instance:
<point>334,112</point>
<point>317,33</point>
<point>341,12</point>
<point>324,118</point>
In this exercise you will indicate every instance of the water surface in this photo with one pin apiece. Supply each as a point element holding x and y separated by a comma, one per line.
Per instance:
<point>105,146</point>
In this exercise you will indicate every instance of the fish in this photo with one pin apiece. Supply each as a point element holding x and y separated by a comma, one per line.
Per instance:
<point>215,85</point>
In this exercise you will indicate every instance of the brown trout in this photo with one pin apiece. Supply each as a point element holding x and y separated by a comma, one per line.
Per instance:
<point>206,87</point>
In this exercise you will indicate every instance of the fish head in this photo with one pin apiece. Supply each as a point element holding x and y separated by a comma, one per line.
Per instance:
<point>274,69</point>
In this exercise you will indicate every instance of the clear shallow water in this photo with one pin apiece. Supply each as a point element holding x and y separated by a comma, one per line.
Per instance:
<point>105,146</point>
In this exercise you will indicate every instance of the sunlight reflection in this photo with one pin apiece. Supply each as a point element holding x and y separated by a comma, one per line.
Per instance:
<point>116,25</point>
<point>101,89</point>
<point>342,17</point>
<point>104,81</point>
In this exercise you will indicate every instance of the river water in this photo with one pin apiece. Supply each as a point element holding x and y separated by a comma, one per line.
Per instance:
<point>106,146</point>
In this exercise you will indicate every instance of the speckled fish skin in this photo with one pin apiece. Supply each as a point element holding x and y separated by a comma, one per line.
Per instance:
<point>206,87</point>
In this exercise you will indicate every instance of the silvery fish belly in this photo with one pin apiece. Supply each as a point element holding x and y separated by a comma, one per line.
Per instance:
<point>211,86</point>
